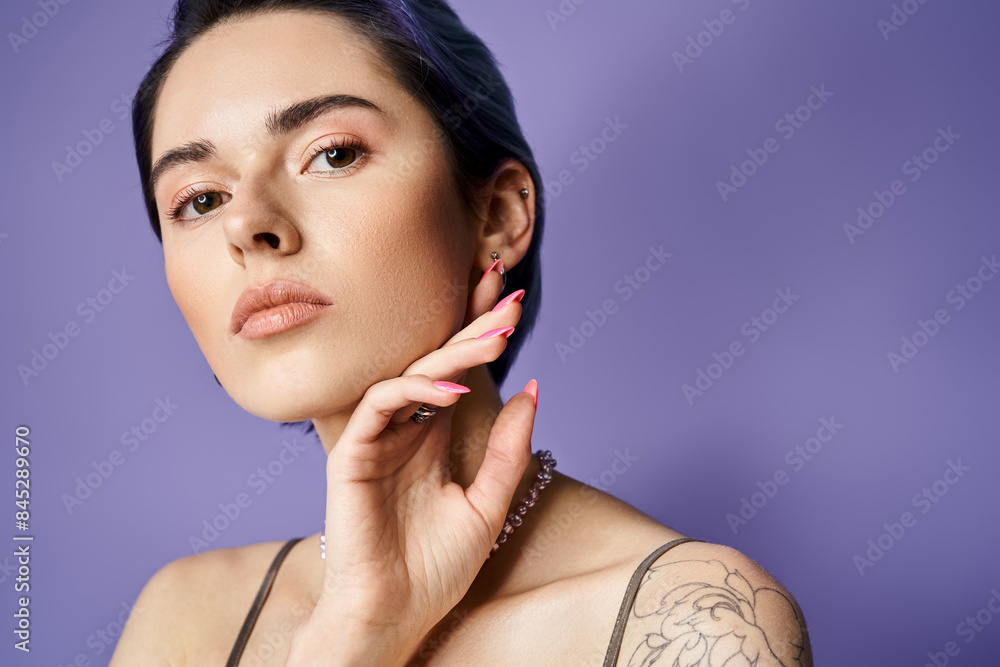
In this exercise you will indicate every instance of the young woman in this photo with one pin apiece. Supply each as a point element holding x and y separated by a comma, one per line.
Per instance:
<point>351,219</point>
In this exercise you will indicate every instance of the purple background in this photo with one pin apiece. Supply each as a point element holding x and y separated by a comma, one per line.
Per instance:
<point>655,184</point>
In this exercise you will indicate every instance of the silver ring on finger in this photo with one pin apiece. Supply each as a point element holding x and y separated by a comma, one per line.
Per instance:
<point>422,413</point>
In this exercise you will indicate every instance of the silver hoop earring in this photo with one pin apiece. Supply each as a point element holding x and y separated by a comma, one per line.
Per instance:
<point>503,273</point>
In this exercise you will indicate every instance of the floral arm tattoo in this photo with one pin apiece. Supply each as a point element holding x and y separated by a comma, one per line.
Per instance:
<point>717,619</point>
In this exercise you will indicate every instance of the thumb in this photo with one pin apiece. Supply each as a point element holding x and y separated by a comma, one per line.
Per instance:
<point>508,453</point>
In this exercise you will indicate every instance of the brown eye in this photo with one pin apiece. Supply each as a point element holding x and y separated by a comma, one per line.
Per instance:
<point>206,201</point>
<point>340,156</point>
<point>338,159</point>
<point>194,205</point>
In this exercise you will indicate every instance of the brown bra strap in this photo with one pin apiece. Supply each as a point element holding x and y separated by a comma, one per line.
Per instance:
<point>633,587</point>
<point>265,588</point>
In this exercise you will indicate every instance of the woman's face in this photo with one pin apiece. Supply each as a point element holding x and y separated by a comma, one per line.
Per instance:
<point>377,229</point>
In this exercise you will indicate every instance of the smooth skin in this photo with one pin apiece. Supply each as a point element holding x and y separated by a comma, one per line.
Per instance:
<point>412,509</point>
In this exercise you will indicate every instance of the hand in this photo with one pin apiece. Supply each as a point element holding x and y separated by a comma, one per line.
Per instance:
<point>403,542</point>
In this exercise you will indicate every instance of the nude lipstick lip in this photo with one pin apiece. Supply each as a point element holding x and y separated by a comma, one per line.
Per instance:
<point>275,307</point>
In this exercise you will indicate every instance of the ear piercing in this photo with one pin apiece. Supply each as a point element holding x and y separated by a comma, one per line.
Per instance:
<point>503,273</point>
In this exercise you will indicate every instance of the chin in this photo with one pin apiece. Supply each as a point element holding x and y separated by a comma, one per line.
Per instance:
<point>276,411</point>
<point>290,393</point>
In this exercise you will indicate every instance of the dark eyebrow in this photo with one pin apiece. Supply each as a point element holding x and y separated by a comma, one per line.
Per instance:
<point>278,123</point>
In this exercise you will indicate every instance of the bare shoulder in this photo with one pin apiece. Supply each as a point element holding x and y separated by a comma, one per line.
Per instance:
<point>708,604</point>
<point>189,597</point>
<point>153,629</point>
<point>696,604</point>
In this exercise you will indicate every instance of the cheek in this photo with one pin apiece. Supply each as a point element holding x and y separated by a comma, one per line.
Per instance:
<point>397,233</point>
<point>418,248</point>
<point>192,289</point>
<point>399,264</point>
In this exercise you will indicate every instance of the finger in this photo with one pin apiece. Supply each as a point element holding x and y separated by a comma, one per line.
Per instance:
<point>405,414</point>
<point>508,453</point>
<point>452,360</point>
<point>430,363</point>
<point>507,314</point>
<point>384,398</point>
<point>486,292</point>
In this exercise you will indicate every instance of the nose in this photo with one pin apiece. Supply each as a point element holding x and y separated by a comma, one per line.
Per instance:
<point>256,225</point>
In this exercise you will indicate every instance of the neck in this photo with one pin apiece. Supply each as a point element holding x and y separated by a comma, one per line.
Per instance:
<point>471,424</point>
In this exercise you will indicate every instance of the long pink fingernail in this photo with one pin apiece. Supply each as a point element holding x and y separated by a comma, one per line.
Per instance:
<point>497,261</point>
<point>452,387</point>
<point>502,331</point>
<point>516,296</point>
<point>532,388</point>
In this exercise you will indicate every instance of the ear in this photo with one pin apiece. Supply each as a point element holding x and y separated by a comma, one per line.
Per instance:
<point>508,219</point>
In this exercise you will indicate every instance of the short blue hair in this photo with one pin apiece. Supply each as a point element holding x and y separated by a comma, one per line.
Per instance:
<point>437,60</point>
